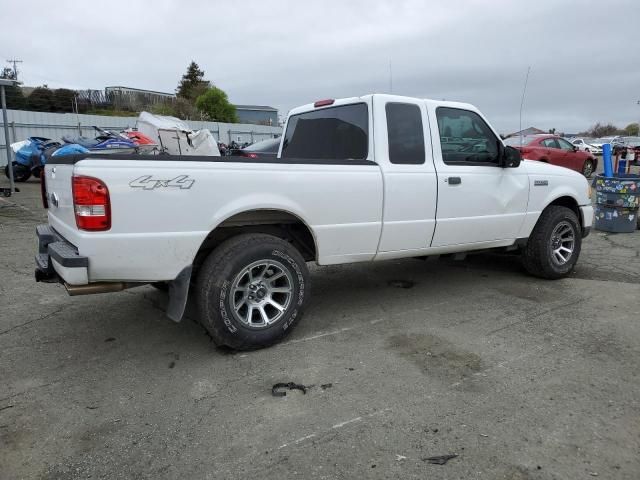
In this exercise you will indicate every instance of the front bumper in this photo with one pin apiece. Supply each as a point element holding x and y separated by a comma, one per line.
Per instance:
<point>57,259</point>
<point>586,212</point>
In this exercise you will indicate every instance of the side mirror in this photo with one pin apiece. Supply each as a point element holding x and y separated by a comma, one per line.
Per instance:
<point>575,148</point>
<point>511,157</point>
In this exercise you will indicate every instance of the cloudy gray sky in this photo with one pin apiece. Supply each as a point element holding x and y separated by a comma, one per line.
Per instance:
<point>584,55</point>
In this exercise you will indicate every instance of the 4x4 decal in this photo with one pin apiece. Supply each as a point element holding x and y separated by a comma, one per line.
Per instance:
<point>147,182</point>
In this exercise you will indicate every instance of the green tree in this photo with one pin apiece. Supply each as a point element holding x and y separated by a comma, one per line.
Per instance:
<point>214,104</point>
<point>14,95</point>
<point>632,130</point>
<point>63,100</point>
<point>599,130</point>
<point>41,100</point>
<point>192,83</point>
<point>8,74</point>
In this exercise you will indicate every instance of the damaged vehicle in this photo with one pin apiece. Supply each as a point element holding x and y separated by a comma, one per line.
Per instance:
<point>358,179</point>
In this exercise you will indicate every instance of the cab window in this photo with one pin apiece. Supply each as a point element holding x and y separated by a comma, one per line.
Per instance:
<point>405,133</point>
<point>334,133</point>
<point>466,138</point>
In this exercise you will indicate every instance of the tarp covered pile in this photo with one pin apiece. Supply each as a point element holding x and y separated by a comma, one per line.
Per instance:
<point>175,137</point>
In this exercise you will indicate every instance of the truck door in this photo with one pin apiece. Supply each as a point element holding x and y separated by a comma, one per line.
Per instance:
<point>404,153</point>
<point>478,200</point>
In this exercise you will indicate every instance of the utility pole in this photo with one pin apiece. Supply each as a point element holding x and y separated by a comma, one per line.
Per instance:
<point>3,106</point>
<point>15,61</point>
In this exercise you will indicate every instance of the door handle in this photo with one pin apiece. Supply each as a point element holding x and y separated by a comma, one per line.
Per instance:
<point>453,180</point>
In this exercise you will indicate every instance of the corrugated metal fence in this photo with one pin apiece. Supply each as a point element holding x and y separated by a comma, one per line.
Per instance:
<point>23,124</point>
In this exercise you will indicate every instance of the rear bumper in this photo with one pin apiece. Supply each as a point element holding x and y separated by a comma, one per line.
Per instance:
<point>58,260</point>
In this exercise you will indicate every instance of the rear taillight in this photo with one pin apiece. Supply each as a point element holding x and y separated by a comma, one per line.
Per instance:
<point>91,204</point>
<point>43,189</point>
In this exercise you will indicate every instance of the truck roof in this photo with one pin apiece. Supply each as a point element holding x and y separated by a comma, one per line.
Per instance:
<point>395,98</point>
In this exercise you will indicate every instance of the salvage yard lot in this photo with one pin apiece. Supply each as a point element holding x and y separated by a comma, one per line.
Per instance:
<point>521,378</point>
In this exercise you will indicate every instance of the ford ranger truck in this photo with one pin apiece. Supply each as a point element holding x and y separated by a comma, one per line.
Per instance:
<point>360,179</point>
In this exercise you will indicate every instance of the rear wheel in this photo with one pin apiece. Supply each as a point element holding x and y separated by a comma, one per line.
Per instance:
<point>251,291</point>
<point>588,167</point>
<point>20,172</point>
<point>554,245</point>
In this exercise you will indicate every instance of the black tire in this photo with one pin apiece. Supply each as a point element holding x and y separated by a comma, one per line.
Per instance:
<point>20,172</point>
<point>538,255</point>
<point>588,167</point>
<point>227,266</point>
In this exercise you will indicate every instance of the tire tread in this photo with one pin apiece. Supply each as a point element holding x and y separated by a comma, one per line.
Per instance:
<point>211,272</point>
<point>534,256</point>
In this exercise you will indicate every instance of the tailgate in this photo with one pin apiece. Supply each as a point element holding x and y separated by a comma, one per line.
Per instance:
<point>60,195</point>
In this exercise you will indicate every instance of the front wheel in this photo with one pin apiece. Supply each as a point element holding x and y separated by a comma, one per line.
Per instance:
<point>587,168</point>
<point>554,246</point>
<point>251,291</point>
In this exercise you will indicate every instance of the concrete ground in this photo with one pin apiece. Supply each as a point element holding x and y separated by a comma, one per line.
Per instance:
<point>521,378</point>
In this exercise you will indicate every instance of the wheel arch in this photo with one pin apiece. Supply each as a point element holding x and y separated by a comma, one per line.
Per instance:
<point>563,199</point>
<point>279,222</point>
<point>569,202</point>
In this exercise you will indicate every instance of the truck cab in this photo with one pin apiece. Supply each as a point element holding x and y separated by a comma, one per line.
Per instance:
<point>449,183</point>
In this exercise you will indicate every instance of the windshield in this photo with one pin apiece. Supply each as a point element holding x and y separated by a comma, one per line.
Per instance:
<point>517,141</point>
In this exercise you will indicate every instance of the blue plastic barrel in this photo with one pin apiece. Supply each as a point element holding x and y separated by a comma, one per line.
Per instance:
<point>606,160</point>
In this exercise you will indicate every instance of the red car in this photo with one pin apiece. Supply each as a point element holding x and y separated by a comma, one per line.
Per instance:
<point>556,151</point>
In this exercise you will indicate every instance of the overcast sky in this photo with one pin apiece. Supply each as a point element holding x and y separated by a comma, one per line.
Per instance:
<point>584,55</point>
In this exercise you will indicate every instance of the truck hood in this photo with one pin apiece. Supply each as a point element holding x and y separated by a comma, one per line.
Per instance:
<point>557,181</point>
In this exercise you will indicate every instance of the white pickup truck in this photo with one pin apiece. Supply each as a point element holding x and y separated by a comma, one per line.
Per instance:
<point>355,180</point>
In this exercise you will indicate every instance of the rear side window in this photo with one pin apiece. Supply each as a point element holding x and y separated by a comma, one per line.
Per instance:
<point>335,133</point>
<point>406,136</point>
